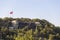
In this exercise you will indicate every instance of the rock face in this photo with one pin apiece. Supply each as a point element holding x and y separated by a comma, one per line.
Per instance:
<point>22,24</point>
<point>13,24</point>
<point>37,23</point>
<point>31,25</point>
<point>18,25</point>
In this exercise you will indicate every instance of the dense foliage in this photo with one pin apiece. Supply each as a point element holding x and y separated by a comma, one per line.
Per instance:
<point>29,29</point>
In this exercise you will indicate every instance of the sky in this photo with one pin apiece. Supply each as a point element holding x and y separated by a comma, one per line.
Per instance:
<point>42,9</point>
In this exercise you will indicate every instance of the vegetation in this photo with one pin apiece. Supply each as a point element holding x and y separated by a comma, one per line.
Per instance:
<point>28,29</point>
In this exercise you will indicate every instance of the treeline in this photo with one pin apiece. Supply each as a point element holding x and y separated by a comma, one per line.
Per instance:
<point>43,30</point>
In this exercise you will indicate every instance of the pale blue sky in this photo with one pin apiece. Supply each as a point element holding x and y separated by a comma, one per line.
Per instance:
<point>42,9</point>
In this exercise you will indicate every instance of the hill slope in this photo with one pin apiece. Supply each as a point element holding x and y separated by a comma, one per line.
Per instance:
<point>28,29</point>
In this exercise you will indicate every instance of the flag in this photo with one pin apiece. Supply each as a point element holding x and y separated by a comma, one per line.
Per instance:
<point>11,12</point>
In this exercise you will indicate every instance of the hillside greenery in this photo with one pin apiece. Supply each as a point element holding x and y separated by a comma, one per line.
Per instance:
<point>43,31</point>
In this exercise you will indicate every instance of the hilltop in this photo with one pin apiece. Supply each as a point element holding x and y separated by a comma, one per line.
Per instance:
<point>28,29</point>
